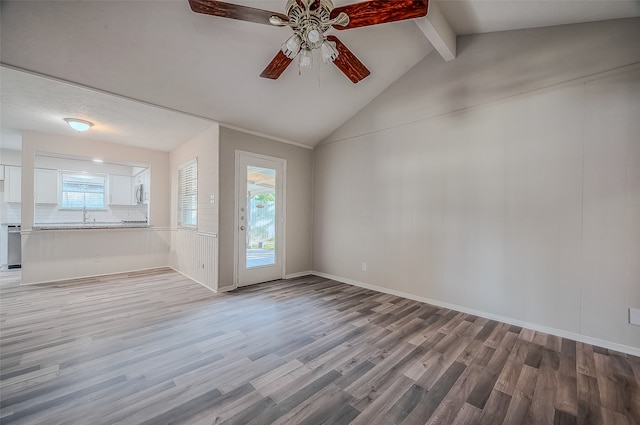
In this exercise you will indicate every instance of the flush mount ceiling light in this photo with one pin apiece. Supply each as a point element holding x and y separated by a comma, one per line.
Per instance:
<point>309,20</point>
<point>79,125</point>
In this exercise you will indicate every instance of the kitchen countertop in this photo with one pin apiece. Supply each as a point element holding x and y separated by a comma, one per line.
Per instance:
<point>92,225</point>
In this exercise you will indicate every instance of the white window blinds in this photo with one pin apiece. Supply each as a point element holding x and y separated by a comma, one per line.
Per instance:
<point>83,191</point>
<point>188,194</point>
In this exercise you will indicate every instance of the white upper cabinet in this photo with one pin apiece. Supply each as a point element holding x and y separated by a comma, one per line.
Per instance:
<point>46,186</point>
<point>120,190</point>
<point>12,183</point>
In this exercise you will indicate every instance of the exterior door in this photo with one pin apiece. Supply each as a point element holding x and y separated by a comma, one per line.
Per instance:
<point>259,218</point>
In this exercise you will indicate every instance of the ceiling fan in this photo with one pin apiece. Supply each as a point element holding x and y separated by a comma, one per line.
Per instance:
<point>309,20</point>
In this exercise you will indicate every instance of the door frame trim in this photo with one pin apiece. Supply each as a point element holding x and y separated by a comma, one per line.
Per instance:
<point>283,219</point>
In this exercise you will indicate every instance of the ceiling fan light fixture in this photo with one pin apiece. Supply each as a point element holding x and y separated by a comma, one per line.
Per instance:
<point>306,59</point>
<point>78,124</point>
<point>291,47</point>
<point>313,37</point>
<point>328,52</point>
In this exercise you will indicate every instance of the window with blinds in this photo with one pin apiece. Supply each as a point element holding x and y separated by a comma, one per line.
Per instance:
<point>83,191</point>
<point>188,195</point>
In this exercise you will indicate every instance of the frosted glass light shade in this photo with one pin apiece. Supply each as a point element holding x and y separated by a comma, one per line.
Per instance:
<point>328,51</point>
<point>79,125</point>
<point>291,47</point>
<point>306,59</point>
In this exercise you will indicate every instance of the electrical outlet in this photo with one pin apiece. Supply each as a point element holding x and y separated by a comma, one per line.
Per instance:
<point>634,316</point>
<point>364,267</point>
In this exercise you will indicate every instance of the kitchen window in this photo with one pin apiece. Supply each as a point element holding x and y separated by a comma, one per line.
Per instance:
<point>188,194</point>
<point>83,191</point>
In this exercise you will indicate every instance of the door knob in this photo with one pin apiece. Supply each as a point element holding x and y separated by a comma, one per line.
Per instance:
<point>241,227</point>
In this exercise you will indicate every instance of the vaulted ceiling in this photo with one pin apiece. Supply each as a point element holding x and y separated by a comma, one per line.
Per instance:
<point>161,53</point>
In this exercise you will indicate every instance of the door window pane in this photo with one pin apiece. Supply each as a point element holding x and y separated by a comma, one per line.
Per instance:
<point>261,217</point>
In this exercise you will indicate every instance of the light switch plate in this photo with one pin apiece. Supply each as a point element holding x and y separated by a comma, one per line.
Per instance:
<point>634,316</point>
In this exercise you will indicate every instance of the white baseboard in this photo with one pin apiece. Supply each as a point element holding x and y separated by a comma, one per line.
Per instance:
<point>226,288</point>
<point>552,331</point>
<point>215,291</point>
<point>299,274</point>
<point>92,276</point>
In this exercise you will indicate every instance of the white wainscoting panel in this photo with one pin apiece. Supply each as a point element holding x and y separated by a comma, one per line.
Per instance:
<point>194,254</point>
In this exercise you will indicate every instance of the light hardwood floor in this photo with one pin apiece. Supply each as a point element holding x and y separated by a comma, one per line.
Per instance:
<point>155,348</point>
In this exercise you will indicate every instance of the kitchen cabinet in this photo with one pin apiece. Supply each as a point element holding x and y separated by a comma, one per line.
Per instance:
<point>120,190</point>
<point>46,186</point>
<point>12,183</point>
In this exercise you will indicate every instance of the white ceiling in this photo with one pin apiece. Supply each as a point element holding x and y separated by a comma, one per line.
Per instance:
<point>162,53</point>
<point>31,102</point>
<point>482,16</point>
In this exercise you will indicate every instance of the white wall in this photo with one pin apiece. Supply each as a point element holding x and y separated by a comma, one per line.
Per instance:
<point>194,251</point>
<point>49,255</point>
<point>494,66</point>
<point>508,184</point>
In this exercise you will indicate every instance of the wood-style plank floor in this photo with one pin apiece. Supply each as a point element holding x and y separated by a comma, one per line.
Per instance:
<point>156,348</point>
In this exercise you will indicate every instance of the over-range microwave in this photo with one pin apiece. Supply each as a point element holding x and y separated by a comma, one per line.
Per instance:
<point>139,193</point>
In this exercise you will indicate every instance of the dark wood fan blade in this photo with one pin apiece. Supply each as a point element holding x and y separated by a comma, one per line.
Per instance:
<point>276,67</point>
<point>234,11</point>
<point>374,12</point>
<point>348,63</point>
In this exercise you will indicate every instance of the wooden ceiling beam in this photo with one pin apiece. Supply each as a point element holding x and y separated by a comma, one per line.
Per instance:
<point>438,31</point>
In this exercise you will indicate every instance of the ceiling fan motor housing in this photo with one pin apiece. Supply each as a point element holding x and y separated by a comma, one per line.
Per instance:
<point>309,24</point>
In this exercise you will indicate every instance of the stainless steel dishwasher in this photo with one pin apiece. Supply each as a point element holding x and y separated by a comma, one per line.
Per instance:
<point>14,247</point>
